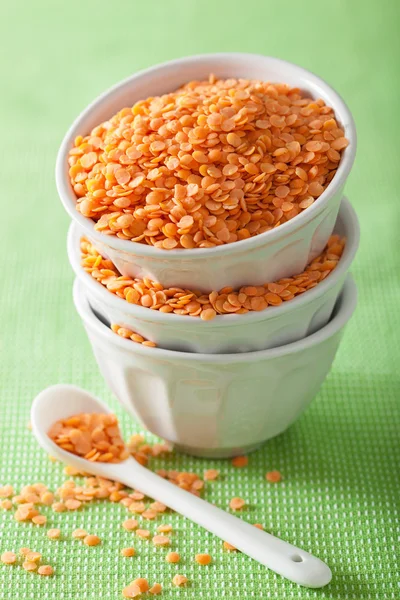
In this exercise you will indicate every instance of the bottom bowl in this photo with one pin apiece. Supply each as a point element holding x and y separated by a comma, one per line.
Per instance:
<point>216,405</point>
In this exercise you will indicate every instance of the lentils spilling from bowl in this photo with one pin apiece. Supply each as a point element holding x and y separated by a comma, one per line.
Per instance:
<point>211,163</point>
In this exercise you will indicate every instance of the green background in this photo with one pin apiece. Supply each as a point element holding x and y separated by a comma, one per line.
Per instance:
<point>339,494</point>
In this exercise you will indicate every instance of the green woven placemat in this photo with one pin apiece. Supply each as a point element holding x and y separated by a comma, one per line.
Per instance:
<point>339,493</point>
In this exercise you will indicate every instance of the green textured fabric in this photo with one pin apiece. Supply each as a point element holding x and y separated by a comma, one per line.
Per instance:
<point>339,461</point>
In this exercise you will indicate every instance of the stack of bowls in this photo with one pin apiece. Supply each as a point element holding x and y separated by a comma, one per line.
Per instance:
<point>221,387</point>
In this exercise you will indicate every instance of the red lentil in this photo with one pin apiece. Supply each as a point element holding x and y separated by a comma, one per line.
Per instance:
<point>79,534</point>
<point>143,533</point>
<point>172,557</point>
<point>158,507</point>
<point>237,503</point>
<point>39,520</point>
<point>211,474</point>
<point>58,507</point>
<point>203,559</point>
<point>54,534</point>
<point>228,546</point>
<point>72,504</point>
<point>156,588</point>
<point>273,476</point>
<point>7,491</point>
<point>33,557</point>
<point>46,570</point>
<point>149,514</point>
<point>128,552</point>
<point>137,507</point>
<point>179,580</point>
<point>240,461</point>
<point>91,540</point>
<point>8,558</point>
<point>161,540</point>
<point>131,591</point>
<point>130,524</point>
<point>206,165</point>
<point>29,565</point>
<point>164,528</point>
<point>142,584</point>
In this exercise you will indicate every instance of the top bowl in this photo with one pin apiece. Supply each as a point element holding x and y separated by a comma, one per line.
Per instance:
<point>280,252</point>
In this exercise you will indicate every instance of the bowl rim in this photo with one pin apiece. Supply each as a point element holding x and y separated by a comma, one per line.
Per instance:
<point>344,309</point>
<point>68,197</point>
<point>348,217</point>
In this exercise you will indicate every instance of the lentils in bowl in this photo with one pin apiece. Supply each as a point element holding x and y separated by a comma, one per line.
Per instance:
<point>212,163</point>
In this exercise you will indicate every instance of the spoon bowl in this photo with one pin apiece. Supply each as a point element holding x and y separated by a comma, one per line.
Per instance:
<point>61,401</point>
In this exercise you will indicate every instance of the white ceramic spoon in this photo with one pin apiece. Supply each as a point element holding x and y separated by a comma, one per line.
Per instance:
<point>61,401</point>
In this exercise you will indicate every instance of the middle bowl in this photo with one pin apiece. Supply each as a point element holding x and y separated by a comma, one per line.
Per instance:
<point>272,327</point>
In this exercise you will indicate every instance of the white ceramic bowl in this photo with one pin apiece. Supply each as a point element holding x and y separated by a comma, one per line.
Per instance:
<point>281,252</point>
<point>216,405</point>
<point>272,327</point>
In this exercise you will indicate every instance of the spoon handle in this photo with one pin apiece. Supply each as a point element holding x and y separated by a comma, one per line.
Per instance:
<point>279,556</point>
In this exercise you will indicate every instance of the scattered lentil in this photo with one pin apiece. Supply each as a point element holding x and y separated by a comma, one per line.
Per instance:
<point>156,588</point>
<point>72,504</point>
<point>58,507</point>
<point>143,533</point>
<point>45,570</point>
<point>240,461</point>
<point>172,557</point>
<point>164,528</point>
<point>142,584</point>
<point>228,546</point>
<point>203,559</point>
<point>131,591</point>
<point>273,476</point>
<point>33,557</point>
<point>137,507</point>
<point>79,534</point>
<point>208,164</point>
<point>237,503</point>
<point>130,524</point>
<point>128,552</point>
<point>29,565</point>
<point>8,558</point>
<point>161,540</point>
<point>179,580</point>
<point>149,514</point>
<point>211,474</point>
<point>91,540</point>
<point>54,534</point>
<point>39,520</point>
<point>7,491</point>
<point>158,507</point>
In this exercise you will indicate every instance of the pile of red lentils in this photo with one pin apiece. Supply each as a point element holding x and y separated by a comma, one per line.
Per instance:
<point>211,163</point>
<point>71,496</point>
<point>93,436</point>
